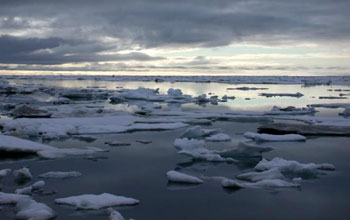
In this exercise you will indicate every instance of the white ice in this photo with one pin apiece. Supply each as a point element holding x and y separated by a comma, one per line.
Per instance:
<point>91,201</point>
<point>60,175</point>
<point>29,189</point>
<point>271,137</point>
<point>29,209</point>
<point>175,176</point>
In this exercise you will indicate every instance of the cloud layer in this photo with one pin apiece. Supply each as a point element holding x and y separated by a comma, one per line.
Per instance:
<point>45,32</point>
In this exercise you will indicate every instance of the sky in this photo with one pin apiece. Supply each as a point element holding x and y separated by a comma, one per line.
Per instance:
<point>227,37</point>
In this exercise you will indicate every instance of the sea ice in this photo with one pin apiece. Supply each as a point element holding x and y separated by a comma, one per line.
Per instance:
<point>218,137</point>
<point>271,137</point>
<point>29,189</point>
<point>273,173</point>
<point>91,201</point>
<point>174,176</point>
<point>29,209</point>
<point>60,175</point>
<point>22,175</point>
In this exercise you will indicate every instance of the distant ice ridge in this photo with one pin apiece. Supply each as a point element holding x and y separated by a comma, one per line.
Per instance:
<point>271,137</point>
<point>91,201</point>
<point>177,177</point>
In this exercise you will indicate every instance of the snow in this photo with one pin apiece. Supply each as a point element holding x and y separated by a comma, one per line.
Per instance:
<point>18,145</point>
<point>64,127</point>
<point>271,137</point>
<point>174,176</point>
<point>218,137</point>
<point>4,172</point>
<point>290,110</point>
<point>114,215</point>
<point>297,95</point>
<point>29,189</point>
<point>91,201</point>
<point>60,175</point>
<point>294,167</point>
<point>9,198</point>
<point>196,149</point>
<point>22,175</point>
<point>29,209</point>
<point>273,173</point>
<point>265,183</point>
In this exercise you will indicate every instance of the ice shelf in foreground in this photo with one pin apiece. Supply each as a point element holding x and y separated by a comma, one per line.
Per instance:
<point>174,176</point>
<point>91,201</point>
<point>271,137</point>
<point>29,209</point>
<point>17,145</point>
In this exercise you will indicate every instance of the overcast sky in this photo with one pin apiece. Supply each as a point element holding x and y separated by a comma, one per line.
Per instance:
<point>182,36</point>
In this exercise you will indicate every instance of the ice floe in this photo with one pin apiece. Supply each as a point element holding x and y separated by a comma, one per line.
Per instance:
<point>91,201</point>
<point>114,215</point>
<point>290,110</point>
<point>11,198</point>
<point>60,175</point>
<point>297,95</point>
<point>175,176</point>
<point>293,167</point>
<point>29,189</point>
<point>22,175</point>
<point>29,209</point>
<point>266,183</point>
<point>273,173</point>
<point>218,137</point>
<point>4,172</point>
<point>271,137</point>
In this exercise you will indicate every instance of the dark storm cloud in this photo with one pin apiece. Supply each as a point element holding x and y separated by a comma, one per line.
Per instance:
<point>161,23</point>
<point>15,50</point>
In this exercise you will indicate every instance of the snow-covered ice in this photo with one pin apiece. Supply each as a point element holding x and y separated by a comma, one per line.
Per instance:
<point>175,176</point>
<point>10,198</point>
<point>29,189</point>
<point>271,137</point>
<point>218,137</point>
<point>22,175</point>
<point>273,173</point>
<point>29,209</point>
<point>60,174</point>
<point>91,201</point>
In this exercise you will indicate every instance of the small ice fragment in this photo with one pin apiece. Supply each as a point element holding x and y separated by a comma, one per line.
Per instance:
<point>22,175</point>
<point>29,209</point>
<point>174,176</point>
<point>29,189</point>
<point>60,175</point>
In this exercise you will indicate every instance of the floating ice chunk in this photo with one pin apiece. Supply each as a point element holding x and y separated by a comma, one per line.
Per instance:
<point>174,92</point>
<point>22,175</point>
<point>174,176</point>
<point>60,175</point>
<point>25,111</point>
<point>271,137</point>
<point>29,189</point>
<point>192,132</point>
<point>61,101</point>
<point>197,132</point>
<point>258,176</point>
<point>294,167</point>
<point>4,172</point>
<point>297,95</point>
<point>63,152</point>
<point>290,110</point>
<point>196,149</point>
<point>114,215</point>
<point>232,184</point>
<point>91,201</point>
<point>265,183</point>
<point>29,209</point>
<point>10,198</point>
<point>218,137</point>
<point>117,143</point>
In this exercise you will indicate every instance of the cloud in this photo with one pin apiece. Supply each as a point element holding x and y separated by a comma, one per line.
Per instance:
<point>57,32</point>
